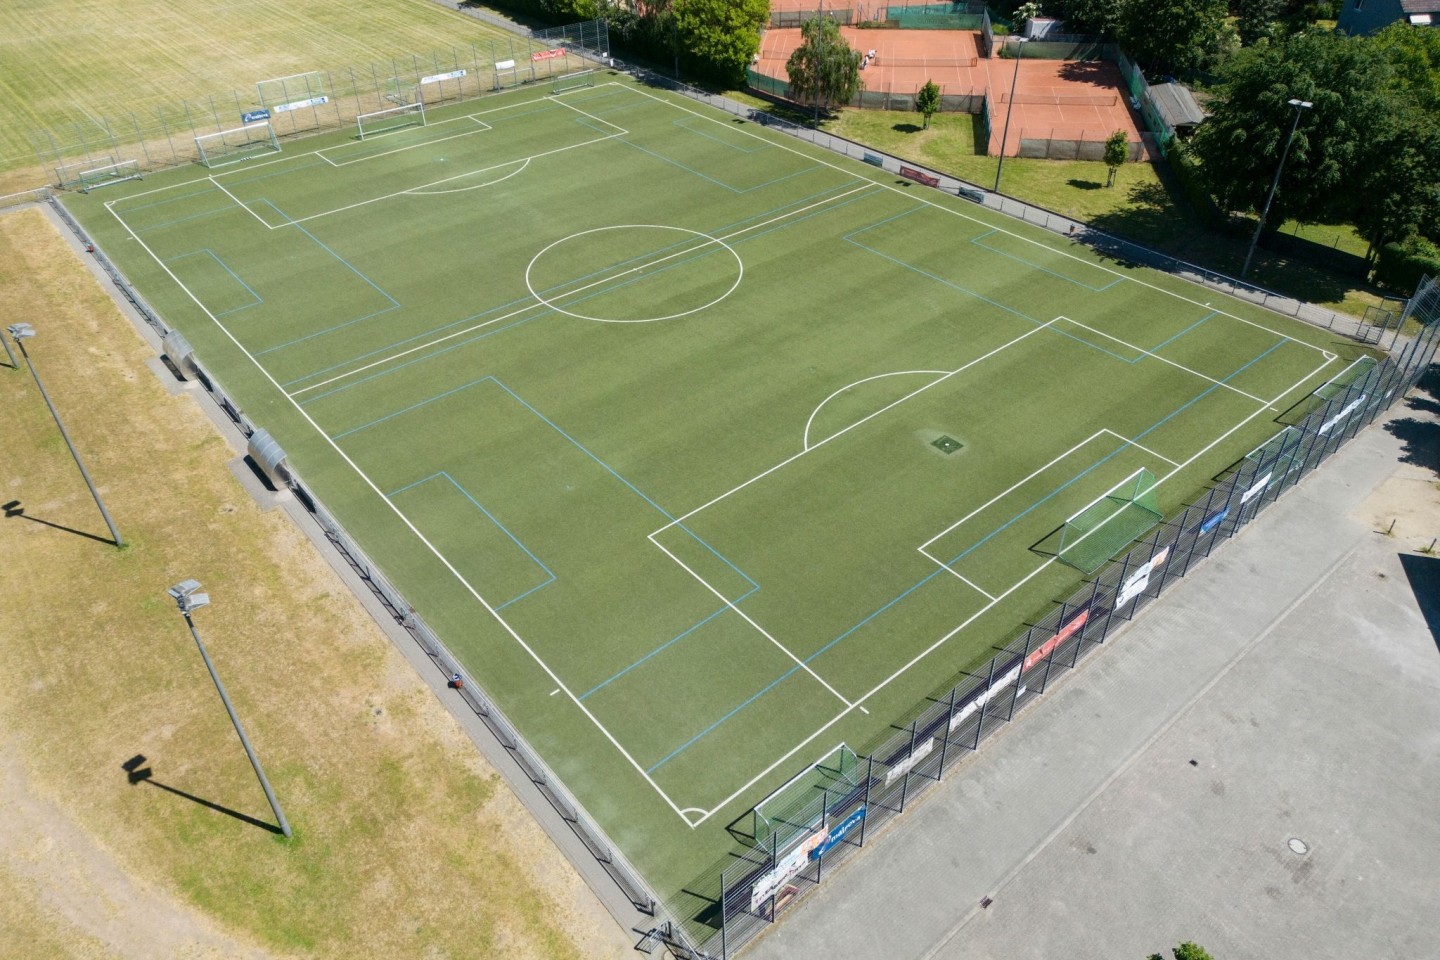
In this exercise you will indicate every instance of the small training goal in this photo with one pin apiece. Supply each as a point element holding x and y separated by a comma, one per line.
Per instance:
<point>394,118</point>
<point>1104,527</point>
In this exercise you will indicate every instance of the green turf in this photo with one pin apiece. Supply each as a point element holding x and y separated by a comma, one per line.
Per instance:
<point>663,392</point>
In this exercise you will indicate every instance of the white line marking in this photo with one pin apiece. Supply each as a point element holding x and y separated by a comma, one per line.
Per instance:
<point>1137,446</point>
<point>560,684</point>
<point>423,192</point>
<point>1156,356</point>
<point>238,202</point>
<point>805,438</point>
<point>744,616</point>
<point>555,691</point>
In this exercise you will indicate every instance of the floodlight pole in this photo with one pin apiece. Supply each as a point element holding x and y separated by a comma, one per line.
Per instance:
<point>20,332</point>
<point>1255,240</point>
<point>1010,107</point>
<point>188,601</point>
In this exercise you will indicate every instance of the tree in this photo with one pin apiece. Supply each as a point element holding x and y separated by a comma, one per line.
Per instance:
<point>927,101</point>
<point>1025,13</point>
<point>1088,16</point>
<point>720,37</point>
<point>1170,36</point>
<point>1239,146</point>
<point>823,69</point>
<point>1186,951</point>
<point>1258,19</point>
<point>1117,151</point>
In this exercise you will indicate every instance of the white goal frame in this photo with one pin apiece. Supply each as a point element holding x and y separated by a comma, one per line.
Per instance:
<point>252,138</point>
<point>290,86</point>
<point>405,115</point>
<point>108,173</point>
<point>573,81</point>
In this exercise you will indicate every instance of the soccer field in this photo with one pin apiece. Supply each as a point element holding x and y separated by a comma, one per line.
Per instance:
<point>703,450</point>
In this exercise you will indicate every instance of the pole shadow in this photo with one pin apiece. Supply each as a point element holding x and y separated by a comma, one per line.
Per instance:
<point>1424,576</point>
<point>15,509</point>
<point>136,772</point>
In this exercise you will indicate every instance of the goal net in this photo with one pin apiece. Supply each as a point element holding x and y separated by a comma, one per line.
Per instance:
<point>107,174</point>
<point>239,143</point>
<point>1343,380</point>
<point>68,174</point>
<point>1107,525</point>
<point>1282,454</point>
<point>383,121</point>
<point>573,81</point>
<point>801,803</point>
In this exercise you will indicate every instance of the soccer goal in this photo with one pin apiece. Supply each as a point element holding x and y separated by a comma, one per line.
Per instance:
<point>1282,454</point>
<point>1109,523</point>
<point>801,803</point>
<point>68,174</point>
<point>239,143</point>
<point>106,174</point>
<point>1342,381</point>
<point>393,118</point>
<point>573,81</point>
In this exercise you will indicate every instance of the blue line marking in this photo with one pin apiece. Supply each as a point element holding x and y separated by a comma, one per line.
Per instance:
<point>233,275</point>
<point>933,574</point>
<point>1169,340</point>
<point>1036,266</point>
<point>679,636</point>
<point>228,208</point>
<point>208,188</point>
<point>763,690</point>
<point>373,285</point>
<point>493,519</point>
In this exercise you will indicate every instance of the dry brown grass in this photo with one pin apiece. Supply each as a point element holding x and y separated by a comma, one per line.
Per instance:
<point>407,844</point>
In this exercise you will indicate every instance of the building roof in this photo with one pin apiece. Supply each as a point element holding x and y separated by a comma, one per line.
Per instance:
<point>1176,104</point>
<point>1420,6</point>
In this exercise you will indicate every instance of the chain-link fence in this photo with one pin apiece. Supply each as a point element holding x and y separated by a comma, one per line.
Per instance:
<point>952,98</point>
<point>764,879</point>
<point>164,135</point>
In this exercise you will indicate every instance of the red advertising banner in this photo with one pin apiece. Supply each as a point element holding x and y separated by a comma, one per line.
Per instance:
<point>1067,631</point>
<point>547,54</point>
<point>920,176</point>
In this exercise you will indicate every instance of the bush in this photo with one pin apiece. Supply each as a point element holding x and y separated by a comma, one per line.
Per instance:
<point>1401,265</point>
<point>1183,166</point>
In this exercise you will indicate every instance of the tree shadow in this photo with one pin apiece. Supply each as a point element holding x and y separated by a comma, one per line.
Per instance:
<point>136,772</point>
<point>1424,576</point>
<point>15,509</point>
<point>907,128</point>
<point>1079,184</point>
<point>1421,439</point>
<point>1090,71</point>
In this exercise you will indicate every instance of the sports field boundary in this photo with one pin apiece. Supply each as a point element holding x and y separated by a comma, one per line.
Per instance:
<point>916,760</point>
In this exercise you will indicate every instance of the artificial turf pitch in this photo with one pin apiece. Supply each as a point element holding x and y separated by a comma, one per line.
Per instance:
<point>646,411</point>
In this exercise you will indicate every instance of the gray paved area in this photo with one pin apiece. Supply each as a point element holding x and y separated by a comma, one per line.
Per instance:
<point>1299,672</point>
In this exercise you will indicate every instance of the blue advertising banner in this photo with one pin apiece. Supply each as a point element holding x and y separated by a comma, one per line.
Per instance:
<point>837,833</point>
<point>254,116</point>
<point>1213,521</point>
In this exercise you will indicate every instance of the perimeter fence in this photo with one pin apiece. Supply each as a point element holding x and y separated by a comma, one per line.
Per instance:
<point>272,461</point>
<point>1141,97</point>
<point>816,836</point>
<point>164,135</point>
<point>952,100</point>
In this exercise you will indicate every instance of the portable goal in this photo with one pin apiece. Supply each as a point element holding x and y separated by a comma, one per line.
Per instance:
<point>1108,524</point>
<point>106,174</point>
<point>291,89</point>
<point>384,121</point>
<point>573,81</point>
<point>802,802</point>
<point>239,143</point>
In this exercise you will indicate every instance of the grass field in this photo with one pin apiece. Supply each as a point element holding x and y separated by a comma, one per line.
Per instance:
<point>703,451</point>
<point>61,65</point>
<point>407,843</point>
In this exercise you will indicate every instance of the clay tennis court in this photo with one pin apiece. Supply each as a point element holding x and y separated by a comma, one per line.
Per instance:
<point>1058,103</point>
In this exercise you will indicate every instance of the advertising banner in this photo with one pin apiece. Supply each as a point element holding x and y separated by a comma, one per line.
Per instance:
<point>790,865</point>
<point>1067,630</point>
<point>1349,408</point>
<point>1134,586</point>
<point>977,699</point>
<point>505,65</point>
<point>299,104</point>
<point>838,833</point>
<point>546,54</point>
<point>1257,488</point>
<point>452,75</point>
<point>1214,520</point>
<point>254,116</point>
<point>920,752</point>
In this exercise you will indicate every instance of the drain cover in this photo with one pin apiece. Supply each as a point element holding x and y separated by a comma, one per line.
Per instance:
<point>946,444</point>
<point>1299,846</point>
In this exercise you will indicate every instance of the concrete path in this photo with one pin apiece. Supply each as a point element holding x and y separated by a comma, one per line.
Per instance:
<point>1298,673</point>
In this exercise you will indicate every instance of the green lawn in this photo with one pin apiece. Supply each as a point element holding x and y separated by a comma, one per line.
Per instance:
<point>703,450</point>
<point>1144,205</point>
<point>62,65</point>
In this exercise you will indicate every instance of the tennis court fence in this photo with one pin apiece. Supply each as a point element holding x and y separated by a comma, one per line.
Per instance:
<point>952,99</point>
<point>763,879</point>
<point>164,134</point>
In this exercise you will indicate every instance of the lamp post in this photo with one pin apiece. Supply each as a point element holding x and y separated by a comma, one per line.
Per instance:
<point>1010,107</point>
<point>20,332</point>
<point>188,600</point>
<point>1255,240</point>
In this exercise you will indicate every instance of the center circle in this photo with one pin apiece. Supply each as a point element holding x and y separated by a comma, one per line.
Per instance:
<point>610,258</point>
